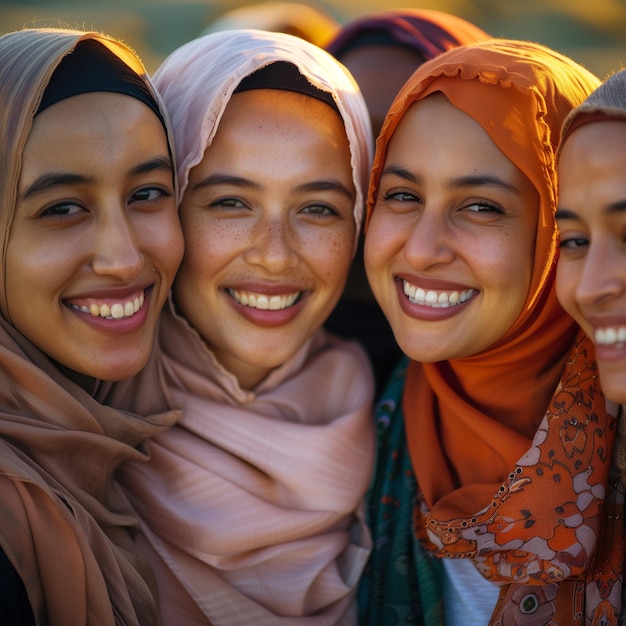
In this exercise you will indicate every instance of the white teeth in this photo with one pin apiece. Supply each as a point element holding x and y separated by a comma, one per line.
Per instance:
<point>435,299</point>
<point>263,302</point>
<point>613,336</point>
<point>115,311</point>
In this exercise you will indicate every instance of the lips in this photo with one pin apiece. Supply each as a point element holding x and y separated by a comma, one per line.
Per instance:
<point>435,298</point>
<point>265,302</point>
<point>110,308</point>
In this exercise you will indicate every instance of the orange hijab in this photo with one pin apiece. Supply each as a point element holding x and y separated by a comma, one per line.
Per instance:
<point>520,93</point>
<point>511,447</point>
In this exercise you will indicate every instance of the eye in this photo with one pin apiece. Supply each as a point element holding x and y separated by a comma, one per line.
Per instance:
<point>401,196</point>
<point>150,194</point>
<point>483,207</point>
<point>319,210</point>
<point>573,243</point>
<point>61,209</point>
<point>228,203</point>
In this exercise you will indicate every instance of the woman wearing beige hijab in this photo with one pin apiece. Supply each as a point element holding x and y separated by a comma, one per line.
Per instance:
<point>90,247</point>
<point>252,505</point>
<point>591,277</point>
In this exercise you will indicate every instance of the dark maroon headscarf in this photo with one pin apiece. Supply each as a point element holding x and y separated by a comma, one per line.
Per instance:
<point>424,31</point>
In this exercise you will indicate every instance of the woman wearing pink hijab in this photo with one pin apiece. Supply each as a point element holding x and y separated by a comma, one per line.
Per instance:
<point>251,507</point>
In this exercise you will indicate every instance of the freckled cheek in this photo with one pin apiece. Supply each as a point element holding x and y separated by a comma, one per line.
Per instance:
<point>331,255</point>
<point>209,244</point>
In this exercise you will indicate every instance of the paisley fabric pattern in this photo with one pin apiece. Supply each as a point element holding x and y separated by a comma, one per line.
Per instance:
<point>552,535</point>
<point>559,560</point>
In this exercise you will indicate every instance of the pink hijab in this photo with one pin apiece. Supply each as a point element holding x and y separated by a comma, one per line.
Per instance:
<point>251,507</point>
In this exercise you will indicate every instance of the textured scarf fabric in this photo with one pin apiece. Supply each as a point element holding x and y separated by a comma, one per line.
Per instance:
<point>428,32</point>
<point>520,487</point>
<point>252,505</point>
<point>64,525</point>
<point>607,102</point>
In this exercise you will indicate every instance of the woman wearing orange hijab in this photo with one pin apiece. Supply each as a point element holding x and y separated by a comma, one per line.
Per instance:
<point>493,502</point>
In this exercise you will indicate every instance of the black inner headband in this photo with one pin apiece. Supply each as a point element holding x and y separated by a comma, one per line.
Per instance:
<point>91,67</point>
<point>285,76</point>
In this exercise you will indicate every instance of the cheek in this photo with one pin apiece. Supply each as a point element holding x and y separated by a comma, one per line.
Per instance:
<point>331,255</point>
<point>38,266</point>
<point>566,281</point>
<point>508,255</point>
<point>383,240</point>
<point>164,240</point>
<point>210,243</point>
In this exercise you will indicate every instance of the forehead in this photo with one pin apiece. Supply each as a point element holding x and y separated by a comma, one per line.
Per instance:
<point>267,114</point>
<point>591,169</point>
<point>597,142</point>
<point>95,132</point>
<point>276,103</point>
<point>89,112</point>
<point>435,122</point>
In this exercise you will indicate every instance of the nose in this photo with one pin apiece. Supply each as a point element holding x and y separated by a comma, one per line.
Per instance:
<point>116,250</point>
<point>428,241</point>
<point>274,244</point>
<point>603,276</point>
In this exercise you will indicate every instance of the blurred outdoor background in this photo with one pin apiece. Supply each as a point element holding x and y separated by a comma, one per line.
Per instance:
<point>593,32</point>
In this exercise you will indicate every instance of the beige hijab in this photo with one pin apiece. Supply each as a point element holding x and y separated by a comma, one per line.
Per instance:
<point>63,525</point>
<point>251,505</point>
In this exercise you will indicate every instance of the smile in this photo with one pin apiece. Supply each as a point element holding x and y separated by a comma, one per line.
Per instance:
<point>613,336</point>
<point>435,299</point>
<point>112,310</point>
<point>264,302</point>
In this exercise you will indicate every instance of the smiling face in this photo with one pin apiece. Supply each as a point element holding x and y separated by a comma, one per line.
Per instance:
<point>591,276</point>
<point>449,248</point>
<point>96,240</point>
<point>269,230</point>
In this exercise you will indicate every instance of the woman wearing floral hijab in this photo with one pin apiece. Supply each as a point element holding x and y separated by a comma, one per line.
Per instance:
<point>494,487</point>
<point>91,243</point>
<point>251,506</point>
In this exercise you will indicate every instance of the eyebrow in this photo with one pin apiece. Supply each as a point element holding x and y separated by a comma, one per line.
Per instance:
<point>326,185</point>
<point>473,180</point>
<point>226,179</point>
<point>154,165</point>
<point>49,181</point>
<point>62,179</point>
<point>567,214</point>
<point>238,181</point>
